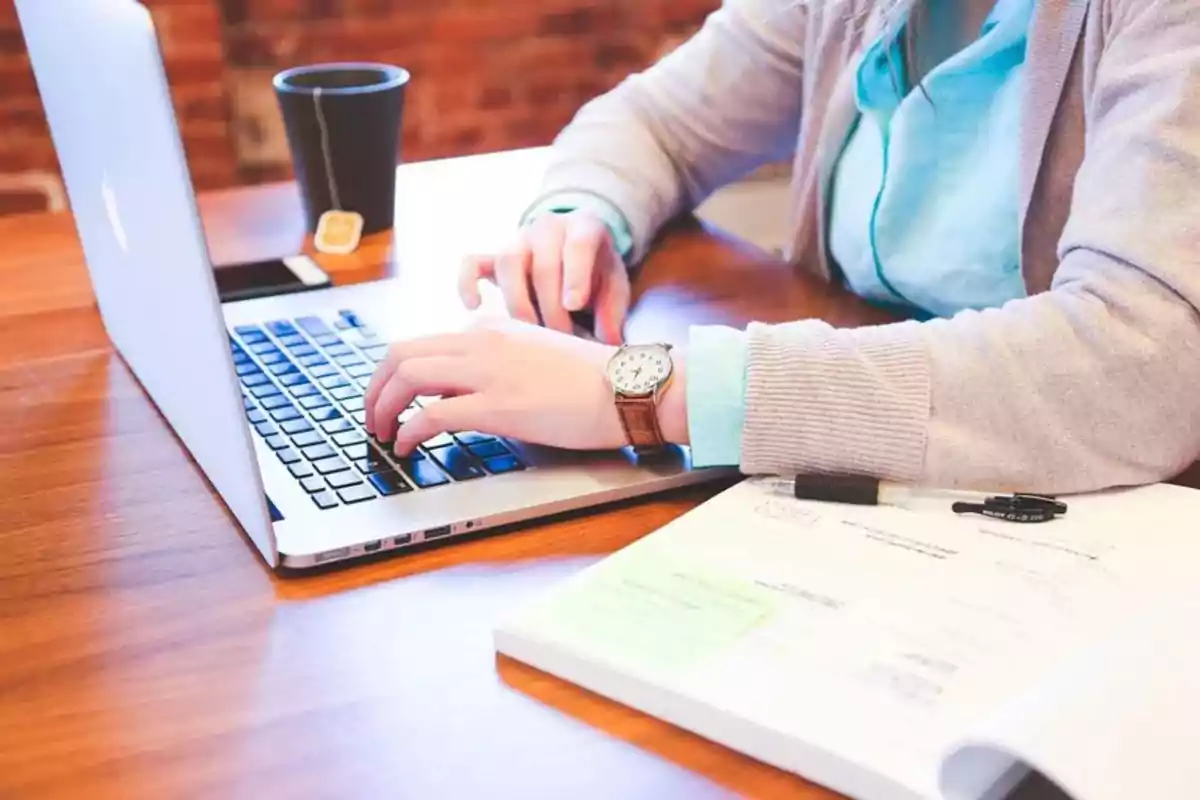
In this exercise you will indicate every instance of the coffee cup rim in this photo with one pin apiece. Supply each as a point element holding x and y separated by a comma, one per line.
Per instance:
<point>393,76</point>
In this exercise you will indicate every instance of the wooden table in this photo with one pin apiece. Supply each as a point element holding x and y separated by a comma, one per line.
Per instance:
<point>146,652</point>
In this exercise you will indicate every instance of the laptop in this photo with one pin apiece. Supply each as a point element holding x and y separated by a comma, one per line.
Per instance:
<point>267,394</point>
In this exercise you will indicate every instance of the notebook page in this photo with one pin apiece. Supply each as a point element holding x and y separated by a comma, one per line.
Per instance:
<point>877,635</point>
<point>1120,720</point>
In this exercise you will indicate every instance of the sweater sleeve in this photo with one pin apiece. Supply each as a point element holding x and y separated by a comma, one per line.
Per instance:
<point>723,103</point>
<point>1092,384</point>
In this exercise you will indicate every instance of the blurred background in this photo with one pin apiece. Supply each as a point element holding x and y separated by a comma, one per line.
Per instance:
<point>488,75</point>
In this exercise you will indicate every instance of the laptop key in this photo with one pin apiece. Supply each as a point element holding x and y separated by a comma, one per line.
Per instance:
<point>283,368</point>
<point>276,442</point>
<point>440,440</point>
<point>327,340</point>
<point>357,451</point>
<point>345,392</point>
<point>287,455</point>
<point>348,360</point>
<point>488,449</point>
<point>291,340</point>
<point>333,381</point>
<point>246,369</point>
<point>501,464</point>
<point>313,485</point>
<point>254,379</point>
<point>303,390</point>
<point>274,401</point>
<point>473,438</point>
<point>263,347</point>
<point>339,349</point>
<point>264,390</point>
<point>310,361</point>
<point>255,416</point>
<point>389,483</point>
<point>294,426</point>
<point>360,417</point>
<point>307,438</point>
<point>353,404</point>
<point>317,452</point>
<point>325,414</point>
<point>249,330</point>
<point>457,462</point>
<point>322,371</point>
<point>265,429</point>
<point>372,462</point>
<point>347,438</point>
<point>376,352</point>
<point>313,326</point>
<point>337,426</point>
<point>313,401</point>
<point>300,469</point>
<point>284,414</point>
<point>273,357</point>
<point>293,379</point>
<point>423,473</point>
<point>281,327</point>
<point>302,350</point>
<point>356,494</point>
<point>360,370</point>
<point>340,480</point>
<point>325,500</point>
<point>327,466</point>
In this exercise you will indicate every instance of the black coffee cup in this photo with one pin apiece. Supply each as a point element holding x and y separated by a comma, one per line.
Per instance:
<point>343,129</point>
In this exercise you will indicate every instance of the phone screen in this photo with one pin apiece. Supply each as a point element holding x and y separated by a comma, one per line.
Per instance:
<point>269,277</point>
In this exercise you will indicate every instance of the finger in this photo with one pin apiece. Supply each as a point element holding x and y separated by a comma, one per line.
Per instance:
<point>546,244</point>
<point>433,375</point>
<point>585,236</point>
<point>512,276</point>
<point>467,412</point>
<point>473,270</point>
<point>448,344</point>
<point>612,304</point>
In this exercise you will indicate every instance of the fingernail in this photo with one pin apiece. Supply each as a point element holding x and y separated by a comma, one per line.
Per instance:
<point>572,300</point>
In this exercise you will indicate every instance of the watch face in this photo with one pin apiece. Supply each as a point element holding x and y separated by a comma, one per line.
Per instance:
<point>639,370</point>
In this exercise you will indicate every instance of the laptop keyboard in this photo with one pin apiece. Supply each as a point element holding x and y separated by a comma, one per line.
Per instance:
<point>303,382</point>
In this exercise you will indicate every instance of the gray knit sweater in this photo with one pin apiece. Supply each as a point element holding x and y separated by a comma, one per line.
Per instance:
<point>1091,381</point>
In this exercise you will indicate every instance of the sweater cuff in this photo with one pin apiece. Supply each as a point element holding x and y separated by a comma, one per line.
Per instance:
<point>836,400</point>
<point>716,381</point>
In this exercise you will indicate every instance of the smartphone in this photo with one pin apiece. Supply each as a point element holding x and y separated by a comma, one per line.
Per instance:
<point>299,273</point>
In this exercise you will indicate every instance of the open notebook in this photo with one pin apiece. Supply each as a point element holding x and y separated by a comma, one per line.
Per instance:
<point>893,654</point>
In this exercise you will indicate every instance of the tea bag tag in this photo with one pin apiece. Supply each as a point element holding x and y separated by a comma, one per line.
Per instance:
<point>338,232</point>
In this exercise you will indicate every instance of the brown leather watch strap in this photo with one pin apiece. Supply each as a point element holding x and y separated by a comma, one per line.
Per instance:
<point>639,417</point>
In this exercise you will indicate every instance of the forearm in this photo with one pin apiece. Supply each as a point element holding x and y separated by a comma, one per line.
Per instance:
<point>1089,386</point>
<point>723,103</point>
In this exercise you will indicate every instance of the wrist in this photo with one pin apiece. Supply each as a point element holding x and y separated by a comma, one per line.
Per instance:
<point>672,402</point>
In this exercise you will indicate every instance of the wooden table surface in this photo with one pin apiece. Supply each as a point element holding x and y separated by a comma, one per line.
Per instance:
<point>145,651</point>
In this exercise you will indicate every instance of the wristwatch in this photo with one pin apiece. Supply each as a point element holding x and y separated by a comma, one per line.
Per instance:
<point>638,374</point>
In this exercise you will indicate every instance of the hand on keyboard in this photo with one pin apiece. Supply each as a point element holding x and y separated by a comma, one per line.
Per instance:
<point>508,379</point>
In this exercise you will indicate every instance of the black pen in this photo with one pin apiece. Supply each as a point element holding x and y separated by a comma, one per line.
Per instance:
<point>864,491</point>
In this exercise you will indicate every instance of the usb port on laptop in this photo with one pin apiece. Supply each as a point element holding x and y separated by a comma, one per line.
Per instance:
<point>437,533</point>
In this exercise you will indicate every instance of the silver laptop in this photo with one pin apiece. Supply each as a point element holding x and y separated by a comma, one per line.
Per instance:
<point>266,394</point>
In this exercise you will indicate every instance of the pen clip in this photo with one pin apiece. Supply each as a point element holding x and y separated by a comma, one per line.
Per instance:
<point>1022,508</point>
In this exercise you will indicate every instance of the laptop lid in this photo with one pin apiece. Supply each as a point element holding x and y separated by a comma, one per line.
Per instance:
<point>101,78</point>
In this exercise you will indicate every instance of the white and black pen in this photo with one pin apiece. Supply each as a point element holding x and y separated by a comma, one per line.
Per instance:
<point>866,491</point>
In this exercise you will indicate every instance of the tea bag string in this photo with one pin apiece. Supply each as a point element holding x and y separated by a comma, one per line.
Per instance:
<point>325,150</point>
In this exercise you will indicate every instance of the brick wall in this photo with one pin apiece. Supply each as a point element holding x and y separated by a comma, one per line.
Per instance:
<point>487,74</point>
